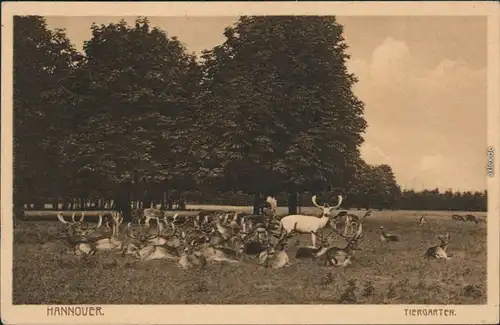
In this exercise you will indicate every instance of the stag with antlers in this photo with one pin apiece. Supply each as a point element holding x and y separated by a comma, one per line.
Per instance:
<point>146,250</point>
<point>306,224</point>
<point>335,256</point>
<point>276,256</point>
<point>439,251</point>
<point>351,221</point>
<point>85,245</point>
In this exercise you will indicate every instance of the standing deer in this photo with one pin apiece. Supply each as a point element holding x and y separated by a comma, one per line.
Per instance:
<point>351,220</point>
<point>305,224</point>
<point>114,221</point>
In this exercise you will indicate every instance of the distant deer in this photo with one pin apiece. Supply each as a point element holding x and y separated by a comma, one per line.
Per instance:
<point>422,221</point>
<point>471,217</point>
<point>387,236</point>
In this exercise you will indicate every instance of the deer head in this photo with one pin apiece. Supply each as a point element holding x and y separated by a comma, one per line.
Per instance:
<point>444,239</point>
<point>326,209</point>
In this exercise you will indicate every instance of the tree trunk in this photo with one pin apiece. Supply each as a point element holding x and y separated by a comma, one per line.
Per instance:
<point>182,203</point>
<point>292,202</point>
<point>257,204</point>
<point>122,202</point>
<point>18,206</point>
<point>170,202</point>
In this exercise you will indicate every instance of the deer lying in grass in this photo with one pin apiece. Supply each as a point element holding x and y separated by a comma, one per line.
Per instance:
<point>309,224</point>
<point>225,232</point>
<point>276,256</point>
<point>190,258</point>
<point>171,239</point>
<point>74,225</point>
<point>303,252</point>
<point>439,251</point>
<point>335,256</point>
<point>85,245</point>
<point>222,254</point>
<point>258,240</point>
<point>147,251</point>
<point>422,221</point>
<point>471,217</point>
<point>384,237</point>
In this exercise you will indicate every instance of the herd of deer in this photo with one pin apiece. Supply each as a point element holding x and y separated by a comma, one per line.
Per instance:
<point>226,236</point>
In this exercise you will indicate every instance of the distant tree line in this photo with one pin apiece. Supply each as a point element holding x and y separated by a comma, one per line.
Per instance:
<point>137,118</point>
<point>431,200</point>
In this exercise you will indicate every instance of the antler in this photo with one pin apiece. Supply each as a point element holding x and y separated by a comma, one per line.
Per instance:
<point>360,234</point>
<point>316,204</point>
<point>339,202</point>
<point>273,202</point>
<point>99,222</point>
<point>158,229</point>
<point>61,218</point>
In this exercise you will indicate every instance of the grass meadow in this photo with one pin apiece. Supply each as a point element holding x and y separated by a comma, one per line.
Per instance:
<point>45,272</point>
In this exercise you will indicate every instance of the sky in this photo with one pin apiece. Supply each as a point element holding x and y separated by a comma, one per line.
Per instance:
<point>422,79</point>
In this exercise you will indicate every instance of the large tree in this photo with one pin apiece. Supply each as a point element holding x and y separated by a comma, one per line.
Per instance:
<point>373,186</point>
<point>42,58</point>
<point>136,96</point>
<point>278,112</point>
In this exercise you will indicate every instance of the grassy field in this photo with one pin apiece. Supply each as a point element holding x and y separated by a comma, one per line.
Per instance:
<point>389,273</point>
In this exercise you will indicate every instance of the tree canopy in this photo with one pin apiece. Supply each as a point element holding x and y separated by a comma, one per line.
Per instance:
<point>41,59</point>
<point>270,110</point>
<point>278,108</point>
<point>135,95</point>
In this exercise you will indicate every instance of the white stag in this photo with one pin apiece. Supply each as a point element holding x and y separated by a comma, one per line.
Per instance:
<point>304,224</point>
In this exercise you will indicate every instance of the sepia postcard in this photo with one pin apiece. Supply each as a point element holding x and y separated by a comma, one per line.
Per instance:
<point>250,163</point>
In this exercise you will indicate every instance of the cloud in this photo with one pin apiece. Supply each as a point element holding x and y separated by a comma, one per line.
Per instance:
<point>427,122</point>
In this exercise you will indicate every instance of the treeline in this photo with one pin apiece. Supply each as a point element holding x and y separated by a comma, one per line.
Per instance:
<point>431,200</point>
<point>137,118</point>
<point>448,200</point>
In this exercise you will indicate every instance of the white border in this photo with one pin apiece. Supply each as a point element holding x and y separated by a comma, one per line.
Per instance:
<point>252,314</point>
